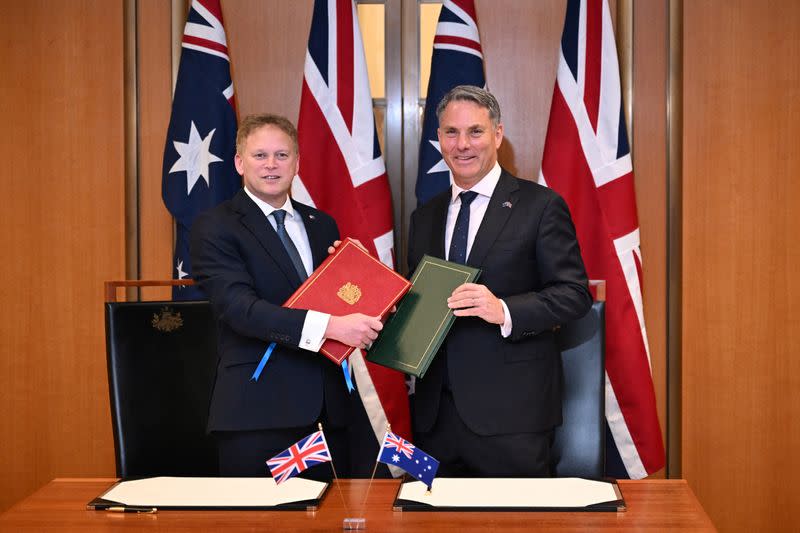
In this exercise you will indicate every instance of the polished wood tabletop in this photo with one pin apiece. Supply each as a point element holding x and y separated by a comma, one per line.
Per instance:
<point>652,505</point>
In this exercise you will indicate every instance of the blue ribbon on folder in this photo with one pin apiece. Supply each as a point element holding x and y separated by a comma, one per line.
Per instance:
<point>261,364</point>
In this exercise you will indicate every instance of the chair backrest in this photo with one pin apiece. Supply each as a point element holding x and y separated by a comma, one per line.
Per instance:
<point>161,364</point>
<point>579,448</point>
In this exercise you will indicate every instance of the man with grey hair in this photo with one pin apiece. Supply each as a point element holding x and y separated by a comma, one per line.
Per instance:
<point>492,397</point>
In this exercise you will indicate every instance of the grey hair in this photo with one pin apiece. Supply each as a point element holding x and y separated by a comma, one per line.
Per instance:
<point>471,93</point>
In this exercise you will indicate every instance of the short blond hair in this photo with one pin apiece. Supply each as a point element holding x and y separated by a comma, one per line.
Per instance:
<point>251,123</point>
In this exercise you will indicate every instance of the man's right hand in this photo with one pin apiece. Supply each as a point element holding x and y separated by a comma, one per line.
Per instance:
<point>356,330</point>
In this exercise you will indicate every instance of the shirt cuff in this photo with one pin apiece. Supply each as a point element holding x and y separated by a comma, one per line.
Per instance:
<point>313,334</point>
<point>505,329</point>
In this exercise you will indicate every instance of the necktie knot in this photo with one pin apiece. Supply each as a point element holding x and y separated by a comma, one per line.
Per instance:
<point>467,197</point>
<point>280,216</point>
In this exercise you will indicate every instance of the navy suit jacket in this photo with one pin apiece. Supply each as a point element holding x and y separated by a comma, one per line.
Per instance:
<point>241,264</point>
<point>529,256</point>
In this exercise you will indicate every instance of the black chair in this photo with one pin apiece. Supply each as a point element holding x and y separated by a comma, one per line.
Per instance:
<point>161,364</point>
<point>579,448</point>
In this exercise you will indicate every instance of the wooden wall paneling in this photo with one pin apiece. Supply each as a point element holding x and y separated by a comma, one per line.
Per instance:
<point>155,104</point>
<point>649,167</point>
<point>520,42</point>
<point>267,42</point>
<point>61,99</point>
<point>741,322</point>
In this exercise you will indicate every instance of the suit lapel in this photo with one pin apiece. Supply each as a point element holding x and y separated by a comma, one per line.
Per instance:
<point>498,211</point>
<point>256,223</point>
<point>439,207</point>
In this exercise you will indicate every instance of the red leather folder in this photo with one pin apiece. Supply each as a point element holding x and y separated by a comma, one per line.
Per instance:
<point>349,281</point>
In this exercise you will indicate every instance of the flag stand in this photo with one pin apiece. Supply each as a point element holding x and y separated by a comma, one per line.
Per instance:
<point>348,523</point>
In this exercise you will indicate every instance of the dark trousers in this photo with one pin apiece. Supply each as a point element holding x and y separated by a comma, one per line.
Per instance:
<point>354,448</point>
<point>245,453</point>
<point>463,453</point>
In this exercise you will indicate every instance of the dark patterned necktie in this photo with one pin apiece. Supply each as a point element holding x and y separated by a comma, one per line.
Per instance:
<point>291,249</point>
<point>458,244</point>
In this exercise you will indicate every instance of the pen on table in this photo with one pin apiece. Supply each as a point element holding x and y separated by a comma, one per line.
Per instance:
<point>129,509</point>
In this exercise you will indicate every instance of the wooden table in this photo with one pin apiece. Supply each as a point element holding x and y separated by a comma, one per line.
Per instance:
<point>653,505</point>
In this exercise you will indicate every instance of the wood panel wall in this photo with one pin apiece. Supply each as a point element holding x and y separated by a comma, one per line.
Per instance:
<point>154,83</point>
<point>741,319</point>
<point>61,99</point>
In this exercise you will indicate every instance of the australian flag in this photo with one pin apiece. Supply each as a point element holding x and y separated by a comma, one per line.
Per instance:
<point>198,170</point>
<point>457,60</point>
<point>397,451</point>
<point>305,453</point>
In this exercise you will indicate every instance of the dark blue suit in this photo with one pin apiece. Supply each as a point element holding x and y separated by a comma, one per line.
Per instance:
<point>528,253</point>
<point>241,264</point>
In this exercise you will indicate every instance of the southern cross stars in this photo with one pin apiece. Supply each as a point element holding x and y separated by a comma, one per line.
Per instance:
<point>441,166</point>
<point>195,156</point>
<point>181,273</point>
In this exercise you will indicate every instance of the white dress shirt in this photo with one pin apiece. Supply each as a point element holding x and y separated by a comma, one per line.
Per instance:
<point>313,334</point>
<point>477,209</point>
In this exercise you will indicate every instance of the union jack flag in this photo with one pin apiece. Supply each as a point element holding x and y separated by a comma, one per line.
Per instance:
<point>343,173</point>
<point>457,60</point>
<point>587,160</point>
<point>198,170</point>
<point>392,441</point>
<point>398,452</point>
<point>305,453</point>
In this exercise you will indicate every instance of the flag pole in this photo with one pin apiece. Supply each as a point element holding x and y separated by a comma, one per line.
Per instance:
<point>333,468</point>
<point>374,469</point>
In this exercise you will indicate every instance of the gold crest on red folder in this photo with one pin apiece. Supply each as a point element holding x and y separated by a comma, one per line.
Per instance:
<point>349,292</point>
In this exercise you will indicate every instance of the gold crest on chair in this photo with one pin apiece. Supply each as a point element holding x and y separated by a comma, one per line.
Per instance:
<point>167,320</point>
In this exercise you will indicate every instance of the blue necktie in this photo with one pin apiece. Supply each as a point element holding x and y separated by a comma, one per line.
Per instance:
<point>458,244</point>
<point>280,216</point>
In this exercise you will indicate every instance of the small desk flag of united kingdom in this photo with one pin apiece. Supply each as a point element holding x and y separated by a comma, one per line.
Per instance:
<point>305,453</point>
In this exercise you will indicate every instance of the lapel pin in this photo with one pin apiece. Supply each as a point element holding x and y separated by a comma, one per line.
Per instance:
<point>507,204</point>
<point>312,217</point>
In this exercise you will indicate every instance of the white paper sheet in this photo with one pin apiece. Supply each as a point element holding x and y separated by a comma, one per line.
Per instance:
<point>510,492</point>
<point>213,492</point>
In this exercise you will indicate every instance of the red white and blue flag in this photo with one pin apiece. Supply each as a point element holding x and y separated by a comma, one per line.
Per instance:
<point>587,160</point>
<point>342,172</point>
<point>457,60</point>
<point>397,451</point>
<point>198,170</point>
<point>305,453</point>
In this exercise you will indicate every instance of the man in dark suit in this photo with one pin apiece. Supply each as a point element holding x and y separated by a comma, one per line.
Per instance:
<point>249,255</point>
<point>492,397</point>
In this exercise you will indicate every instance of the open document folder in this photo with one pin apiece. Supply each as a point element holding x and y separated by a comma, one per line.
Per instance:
<point>510,494</point>
<point>212,493</point>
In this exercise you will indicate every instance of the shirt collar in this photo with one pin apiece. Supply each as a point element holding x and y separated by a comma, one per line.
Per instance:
<point>268,209</point>
<point>485,187</point>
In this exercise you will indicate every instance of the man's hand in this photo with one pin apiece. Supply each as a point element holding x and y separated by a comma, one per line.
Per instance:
<point>336,244</point>
<point>472,299</point>
<point>356,330</point>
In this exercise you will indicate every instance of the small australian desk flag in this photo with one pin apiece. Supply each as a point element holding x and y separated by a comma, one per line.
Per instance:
<point>399,452</point>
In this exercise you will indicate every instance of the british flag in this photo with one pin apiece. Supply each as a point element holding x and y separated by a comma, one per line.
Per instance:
<point>457,60</point>
<point>342,173</point>
<point>392,441</point>
<point>587,160</point>
<point>198,170</point>
<point>305,453</point>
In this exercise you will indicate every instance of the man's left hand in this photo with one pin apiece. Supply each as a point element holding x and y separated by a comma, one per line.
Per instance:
<point>336,244</point>
<point>472,299</point>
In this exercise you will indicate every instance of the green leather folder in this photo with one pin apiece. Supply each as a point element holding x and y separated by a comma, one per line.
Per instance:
<point>413,335</point>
